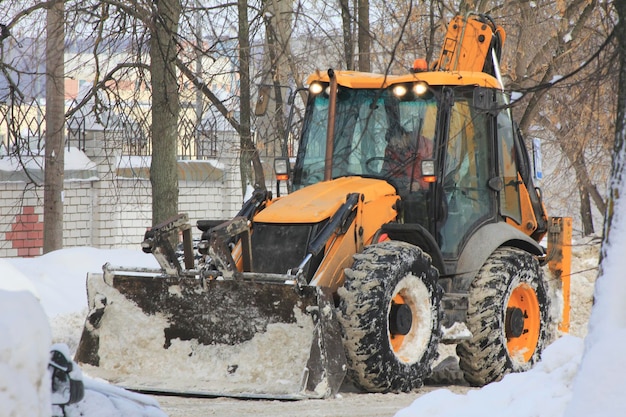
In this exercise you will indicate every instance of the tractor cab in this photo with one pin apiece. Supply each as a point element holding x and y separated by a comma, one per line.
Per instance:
<point>451,151</point>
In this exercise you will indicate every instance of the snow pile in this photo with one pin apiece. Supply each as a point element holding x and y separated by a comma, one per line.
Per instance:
<point>105,400</point>
<point>600,384</point>
<point>60,276</point>
<point>34,290</point>
<point>544,391</point>
<point>24,344</point>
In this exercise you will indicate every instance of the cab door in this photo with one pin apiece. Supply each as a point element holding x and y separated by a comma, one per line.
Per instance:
<point>466,173</point>
<point>508,169</point>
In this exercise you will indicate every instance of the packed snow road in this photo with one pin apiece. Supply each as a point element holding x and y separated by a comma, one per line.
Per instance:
<point>346,404</point>
<point>349,402</point>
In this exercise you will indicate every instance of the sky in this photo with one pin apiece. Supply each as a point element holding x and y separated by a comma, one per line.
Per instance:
<point>37,294</point>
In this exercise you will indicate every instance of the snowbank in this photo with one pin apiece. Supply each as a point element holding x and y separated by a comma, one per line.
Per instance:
<point>52,287</point>
<point>544,391</point>
<point>601,382</point>
<point>24,354</point>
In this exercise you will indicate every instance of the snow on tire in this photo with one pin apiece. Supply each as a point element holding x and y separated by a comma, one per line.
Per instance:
<point>509,316</point>
<point>389,311</point>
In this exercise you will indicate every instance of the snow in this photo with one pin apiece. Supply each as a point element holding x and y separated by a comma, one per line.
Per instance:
<point>604,344</point>
<point>75,159</point>
<point>35,292</point>
<point>268,361</point>
<point>43,301</point>
<point>24,383</point>
<point>567,38</point>
<point>127,161</point>
<point>555,79</point>
<point>544,391</point>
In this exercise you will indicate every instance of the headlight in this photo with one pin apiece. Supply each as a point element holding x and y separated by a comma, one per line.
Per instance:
<point>316,88</point>
<point>399,90</point>
<point>281,168</point>
<point>420,88</point>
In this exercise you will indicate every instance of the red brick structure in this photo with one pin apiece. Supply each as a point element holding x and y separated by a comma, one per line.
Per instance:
<point>26,233</point>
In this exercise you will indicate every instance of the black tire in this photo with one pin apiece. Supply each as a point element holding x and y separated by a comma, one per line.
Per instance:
<point>386,353</point>
<point>509,315</point>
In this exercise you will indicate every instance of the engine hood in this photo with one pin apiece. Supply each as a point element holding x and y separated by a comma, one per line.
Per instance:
<point>317,202</point>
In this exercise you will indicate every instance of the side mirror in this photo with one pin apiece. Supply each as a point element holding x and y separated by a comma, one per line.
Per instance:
<point>483,99</point>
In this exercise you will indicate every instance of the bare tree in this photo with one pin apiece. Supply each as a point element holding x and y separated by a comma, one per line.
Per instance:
<point>346,25</point>
<point>55,127</point>
<point>617,183</point>
<point>364,37</point>
<point>561,39</point>
<point>165,109</point>
<point>249,154</point>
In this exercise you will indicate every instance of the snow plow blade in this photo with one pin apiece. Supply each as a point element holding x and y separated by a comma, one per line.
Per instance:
<point>190,336</point>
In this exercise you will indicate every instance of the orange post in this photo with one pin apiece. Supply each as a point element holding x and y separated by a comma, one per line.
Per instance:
<point>559,259</point>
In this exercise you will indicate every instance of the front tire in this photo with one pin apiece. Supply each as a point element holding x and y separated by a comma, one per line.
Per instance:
<point>389,311</point>
<point>509,316</point>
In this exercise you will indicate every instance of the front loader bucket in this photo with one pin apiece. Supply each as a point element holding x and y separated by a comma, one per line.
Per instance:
<point>212,338</point>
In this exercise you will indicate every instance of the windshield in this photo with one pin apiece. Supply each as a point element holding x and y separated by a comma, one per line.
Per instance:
<point>376,134</point>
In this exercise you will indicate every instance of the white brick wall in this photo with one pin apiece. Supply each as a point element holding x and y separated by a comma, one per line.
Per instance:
<point>112,212</point>
<point>110,218</point>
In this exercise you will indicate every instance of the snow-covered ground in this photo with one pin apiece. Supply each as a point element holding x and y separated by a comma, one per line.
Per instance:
<point>37,294</point>
<point>558,386</point>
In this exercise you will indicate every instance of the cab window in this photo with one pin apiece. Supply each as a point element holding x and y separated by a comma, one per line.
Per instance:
<point>466,174</point>
<point>507,164</point>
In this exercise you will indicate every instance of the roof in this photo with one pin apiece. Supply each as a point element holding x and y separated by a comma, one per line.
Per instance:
<point>356,79</point>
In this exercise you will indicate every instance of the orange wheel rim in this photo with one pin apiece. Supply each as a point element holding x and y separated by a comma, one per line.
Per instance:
<point>397,340</point>
<point>524,300</point>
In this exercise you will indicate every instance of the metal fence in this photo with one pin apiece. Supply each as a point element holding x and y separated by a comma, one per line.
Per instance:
<point>22,129</point>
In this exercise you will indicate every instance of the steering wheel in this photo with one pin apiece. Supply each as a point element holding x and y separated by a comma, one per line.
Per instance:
<point>395,165</point>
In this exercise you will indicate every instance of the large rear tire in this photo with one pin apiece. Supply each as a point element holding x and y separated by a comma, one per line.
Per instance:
<point>389,311</point>
<point>509,316</point>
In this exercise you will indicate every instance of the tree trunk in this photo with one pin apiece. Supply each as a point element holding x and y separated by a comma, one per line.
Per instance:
<point>616,183</point>
<point>586,189</point>
<point>364,38</point>
<point>249,155</point>
<point>430,47</point>
<point>278,28</point>
<point>586,216</point>
<point>165,109</point>
<point>346,24</point>
<point>607,322</point>
<point>55,121</point>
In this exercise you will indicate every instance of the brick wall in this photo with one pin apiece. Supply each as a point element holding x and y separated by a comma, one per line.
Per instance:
<point>105,218</point>
<point>21,217</point>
